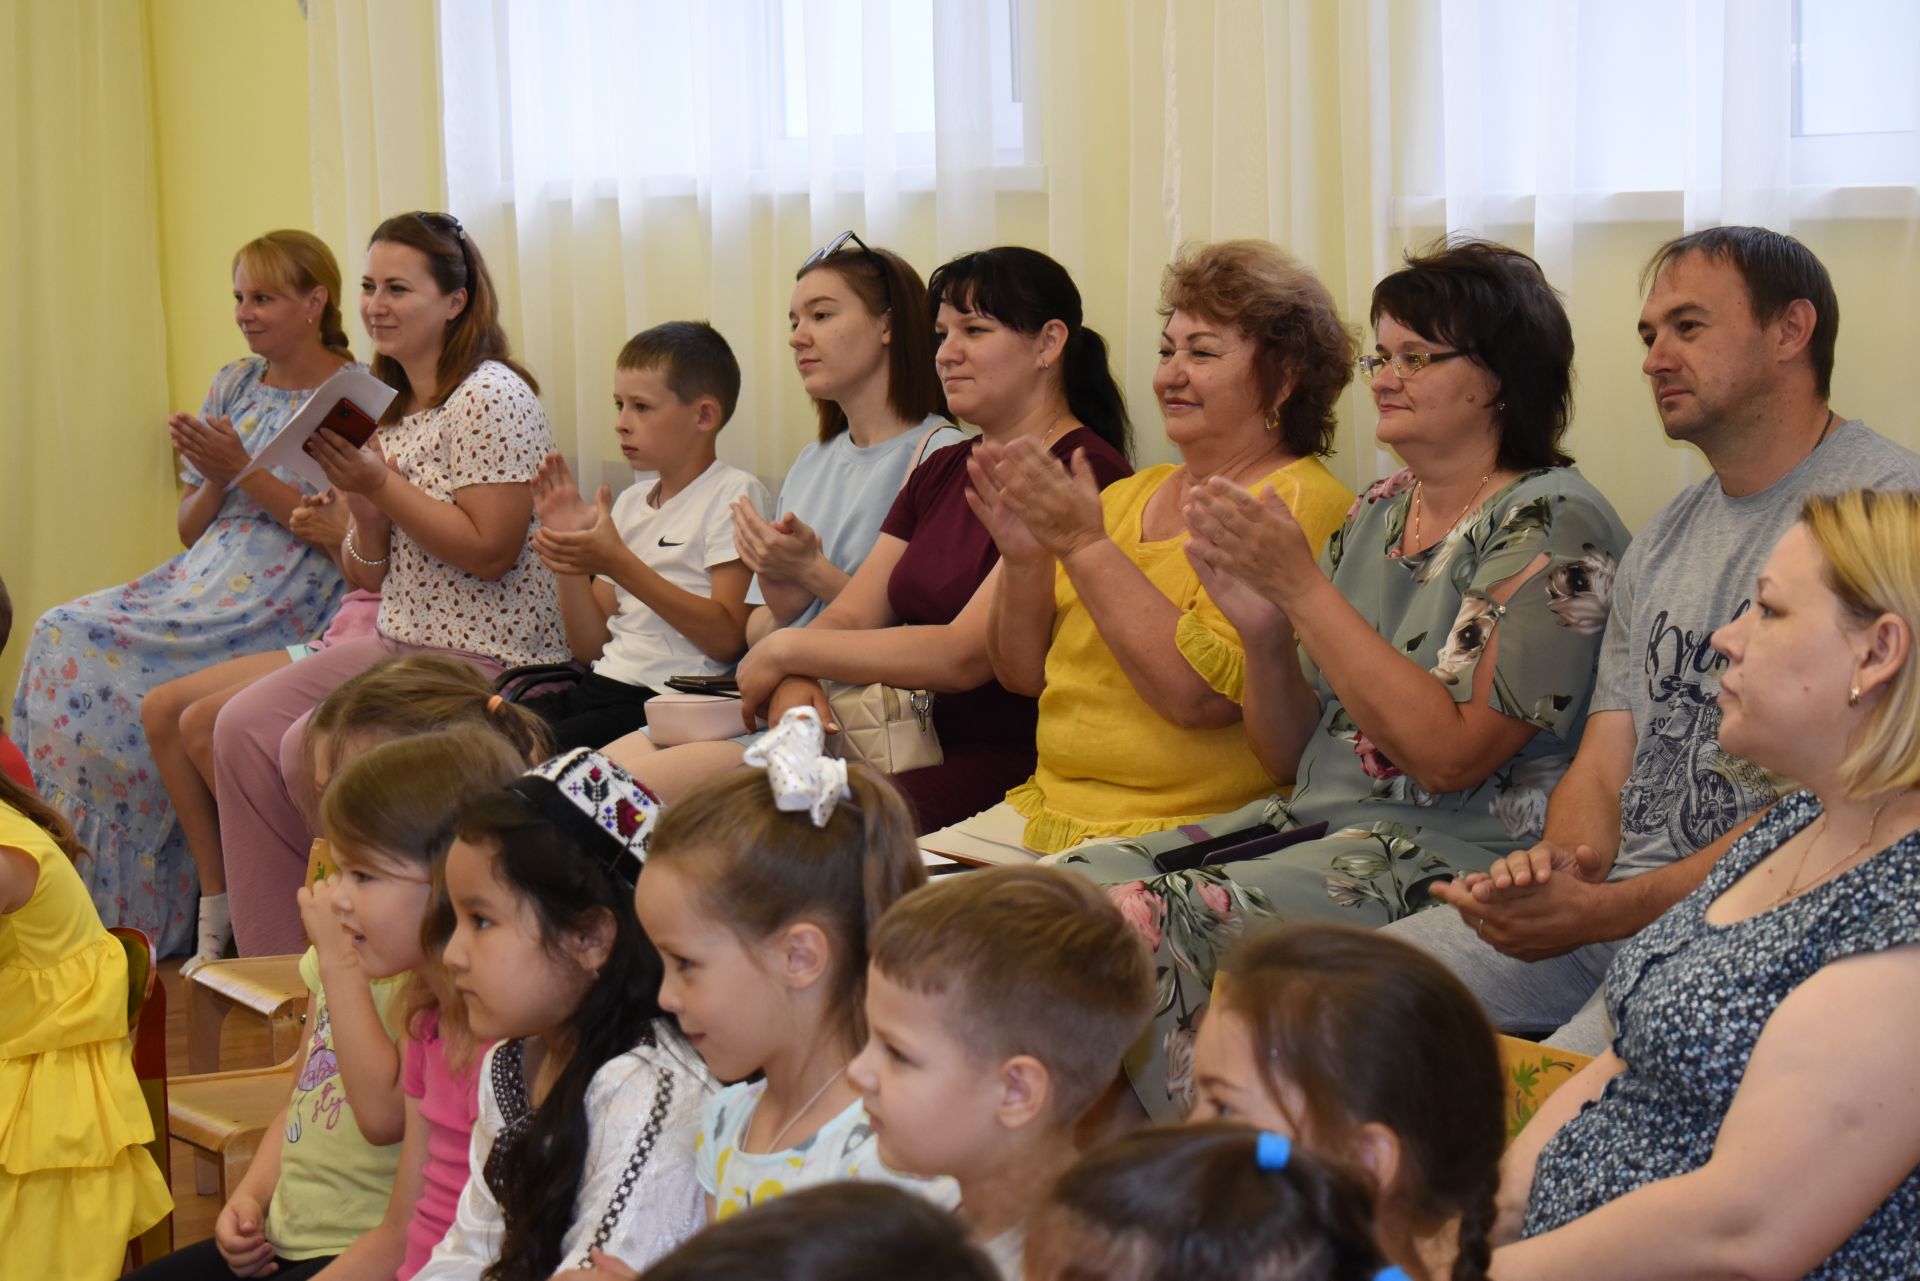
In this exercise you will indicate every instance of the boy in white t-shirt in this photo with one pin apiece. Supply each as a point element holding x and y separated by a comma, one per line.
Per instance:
<point>650,586</point>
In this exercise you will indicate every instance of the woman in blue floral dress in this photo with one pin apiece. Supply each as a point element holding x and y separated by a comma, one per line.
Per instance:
<point>244,583</point>
<point>1423,687</point>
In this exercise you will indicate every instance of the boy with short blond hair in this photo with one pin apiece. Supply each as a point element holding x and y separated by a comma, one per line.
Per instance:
<point>651,586</point>
<point>999,1006</point>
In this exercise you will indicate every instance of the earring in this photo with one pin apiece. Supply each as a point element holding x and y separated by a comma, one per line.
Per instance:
<point>1046,364</point>
<point>1853,697</point>
<point>1273,421</point>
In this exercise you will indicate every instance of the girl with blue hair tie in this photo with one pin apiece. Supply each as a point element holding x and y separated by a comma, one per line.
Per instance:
<point>1207,1202</point>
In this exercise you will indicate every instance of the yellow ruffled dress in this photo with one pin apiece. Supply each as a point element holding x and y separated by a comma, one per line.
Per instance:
<point>76,1184</point>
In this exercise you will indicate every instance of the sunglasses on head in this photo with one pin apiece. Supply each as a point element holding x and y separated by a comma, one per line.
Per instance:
<point>838,243</point>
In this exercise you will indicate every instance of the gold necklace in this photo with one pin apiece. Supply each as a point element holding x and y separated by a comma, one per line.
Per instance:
<point>1414,524</point>
<point>1793,886</point>
<point>1046,437</point>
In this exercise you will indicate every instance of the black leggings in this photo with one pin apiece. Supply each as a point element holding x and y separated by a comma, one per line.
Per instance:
<point>202,1262</point>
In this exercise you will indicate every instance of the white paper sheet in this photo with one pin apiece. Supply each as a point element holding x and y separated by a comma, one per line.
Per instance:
<point>284,450</point>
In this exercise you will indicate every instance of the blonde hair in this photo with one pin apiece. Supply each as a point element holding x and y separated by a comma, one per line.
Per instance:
<point>298,262</point>
<point>758,868</point>
<point>1870,540</point>
<point>1035,961</point>
<point>416,695</point>
<point>399,803</point>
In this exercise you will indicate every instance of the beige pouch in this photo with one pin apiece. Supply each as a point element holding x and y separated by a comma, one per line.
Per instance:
<point>887,728</point>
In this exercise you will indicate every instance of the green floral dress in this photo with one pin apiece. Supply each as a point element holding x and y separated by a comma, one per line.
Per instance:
<point>1387,839</point>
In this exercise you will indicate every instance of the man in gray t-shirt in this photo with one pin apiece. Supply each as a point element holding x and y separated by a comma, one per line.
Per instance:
<point>1739,327</point>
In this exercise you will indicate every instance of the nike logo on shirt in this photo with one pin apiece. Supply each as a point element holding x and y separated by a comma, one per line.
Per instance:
<point>665,543</point>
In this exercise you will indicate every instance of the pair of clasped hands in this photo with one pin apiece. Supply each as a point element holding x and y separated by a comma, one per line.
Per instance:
<point>1247,549</point>
<point>212,448</point>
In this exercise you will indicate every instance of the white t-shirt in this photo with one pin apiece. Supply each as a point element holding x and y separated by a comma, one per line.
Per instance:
<point>843,1149</point>
<point>681,540</point>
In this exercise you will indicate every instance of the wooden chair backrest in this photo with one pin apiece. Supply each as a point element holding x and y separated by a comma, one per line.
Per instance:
<point>147,1027</point>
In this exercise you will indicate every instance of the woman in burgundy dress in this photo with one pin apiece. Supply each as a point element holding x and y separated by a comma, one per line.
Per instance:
<point>1015,360</point>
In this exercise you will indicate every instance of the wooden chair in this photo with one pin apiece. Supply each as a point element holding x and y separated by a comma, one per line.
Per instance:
<point>223,1116</point>
<point>1531,1072</point>
<point>147,1029</point>
<point>268,987</point>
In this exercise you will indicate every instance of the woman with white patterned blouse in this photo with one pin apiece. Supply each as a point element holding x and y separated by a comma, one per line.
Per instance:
<point>441,525</point>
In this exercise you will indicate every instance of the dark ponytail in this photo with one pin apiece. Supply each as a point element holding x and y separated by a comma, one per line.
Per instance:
<point>1093,396</point>
<point>761,869</point>
<point>1023,289</point>
<point>1476,1235</point>
<point>537,1171</point>
<point>1196,1201</point>
<point>1365,1029</point>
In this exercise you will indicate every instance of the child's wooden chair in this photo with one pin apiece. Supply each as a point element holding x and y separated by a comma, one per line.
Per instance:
<point>1531,1072</point>
<point>147,1029</point>
<point>268,987</point>
<point>223,1116</point>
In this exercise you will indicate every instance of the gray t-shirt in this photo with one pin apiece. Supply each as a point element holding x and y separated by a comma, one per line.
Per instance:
<point>1689,572</point>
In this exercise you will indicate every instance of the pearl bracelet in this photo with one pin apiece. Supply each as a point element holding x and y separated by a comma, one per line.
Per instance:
<point>354,555</point>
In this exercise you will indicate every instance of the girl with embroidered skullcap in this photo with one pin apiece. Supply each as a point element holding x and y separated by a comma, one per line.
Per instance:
<point>760,892</point>
<point>589,1103</point>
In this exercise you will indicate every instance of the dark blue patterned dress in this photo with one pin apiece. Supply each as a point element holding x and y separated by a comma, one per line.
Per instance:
<point>1690,999</point>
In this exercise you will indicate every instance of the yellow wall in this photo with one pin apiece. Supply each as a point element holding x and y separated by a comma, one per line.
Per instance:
<point>230,136</point>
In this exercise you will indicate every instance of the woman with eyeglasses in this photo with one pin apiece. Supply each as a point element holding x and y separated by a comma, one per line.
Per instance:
<point>255,575</point>
<point>440,522</point>
<point>1015,360</point>
<point>1423,684</point>
<point>1098,612</point>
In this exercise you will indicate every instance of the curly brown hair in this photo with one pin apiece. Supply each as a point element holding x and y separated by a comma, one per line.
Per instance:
<point>1304,352</point>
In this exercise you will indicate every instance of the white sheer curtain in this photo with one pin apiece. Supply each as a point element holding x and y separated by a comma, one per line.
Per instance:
<point>374,107</point>
<point>1588,131</point>
<point>624,164</point>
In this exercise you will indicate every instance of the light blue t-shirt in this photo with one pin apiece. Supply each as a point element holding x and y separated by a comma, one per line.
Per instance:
<point>844,491</point>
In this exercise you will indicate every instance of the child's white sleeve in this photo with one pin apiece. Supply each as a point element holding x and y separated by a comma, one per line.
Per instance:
<point>639,1196</point>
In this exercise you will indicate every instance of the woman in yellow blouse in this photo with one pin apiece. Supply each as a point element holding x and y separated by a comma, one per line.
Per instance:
<point>1099,612</point>
<point>76,1180</point>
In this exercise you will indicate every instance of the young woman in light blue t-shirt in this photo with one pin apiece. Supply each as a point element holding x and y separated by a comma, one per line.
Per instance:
<point>862,340</point>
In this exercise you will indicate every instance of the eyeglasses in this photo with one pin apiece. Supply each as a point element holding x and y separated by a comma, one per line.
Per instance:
<point>1405,365</point>
<point>838,243</point>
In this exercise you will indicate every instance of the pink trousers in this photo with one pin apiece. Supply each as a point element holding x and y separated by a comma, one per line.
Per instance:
<point>265,829</point>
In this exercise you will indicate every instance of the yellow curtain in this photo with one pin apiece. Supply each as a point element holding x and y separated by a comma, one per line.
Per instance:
<point>85,468</point>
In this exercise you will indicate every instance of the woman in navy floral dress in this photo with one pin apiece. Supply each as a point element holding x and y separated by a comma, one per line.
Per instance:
<point>1756,1115</point>
<point>244,584</point>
